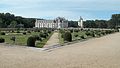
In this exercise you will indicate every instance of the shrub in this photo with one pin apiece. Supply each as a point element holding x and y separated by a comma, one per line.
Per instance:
<point>116,30</point>
<point>31,41</point>
<point>28,32</point>
<point>43,35</point>
<point>99,34</point>
<point>38,30</point>
<point>18,31</point>
<point>76,30</point>
<point>88,33</point>
<point>46,34</point>
<point>24,33</point>
<point>103,33</point>
<point>83,37</point>
<point>68,36</point>
<point>93,34</point>
<point>2,33</point>
<point>12,31</point>
<point>61,31</point>
<point>71,30</point>
<point>13,38</point>
<point>76,35</point>
<point>37,37</point>
<point>62,35</point>
<point>49,31</point>
<point>2,40</point>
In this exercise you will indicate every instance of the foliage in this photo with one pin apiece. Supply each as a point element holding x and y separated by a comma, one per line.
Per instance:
<point>37,37</point>
<point>72,24</point>
<point>13,39</point>
<point>12,21</point>
<point>31,41</point>
<point>2,33</point>
<point>18,31</point>
<point>2,40</point>
<point>83,37</point>
<point>24,33</point>
<point>68,36</point>
<point>28,31</point>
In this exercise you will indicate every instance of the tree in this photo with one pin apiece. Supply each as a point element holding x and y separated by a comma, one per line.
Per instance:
<point>13,24</point>
<point>1,23</point>
<point>6,20</point>
<point>72,24</point>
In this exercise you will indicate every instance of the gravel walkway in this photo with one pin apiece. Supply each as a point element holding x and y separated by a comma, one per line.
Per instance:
<point>101,52</point>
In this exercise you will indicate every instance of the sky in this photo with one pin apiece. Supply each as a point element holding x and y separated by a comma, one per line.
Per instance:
<point>70,9</point>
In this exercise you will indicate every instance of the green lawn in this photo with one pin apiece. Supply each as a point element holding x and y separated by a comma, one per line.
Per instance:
<point>22,39</point>
<point>80,33</point>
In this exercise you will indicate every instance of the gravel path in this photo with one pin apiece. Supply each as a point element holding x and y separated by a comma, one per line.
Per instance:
<point>101,52</point>
<point>53,40</point>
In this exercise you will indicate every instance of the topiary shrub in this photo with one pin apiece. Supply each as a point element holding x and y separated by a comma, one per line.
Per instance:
<point>43,35</point>
<point>28,32</point>
<point>12,31</point>
<point>49,31</point>
<point>31,41</point>
<point>38,30</point>
<point>2,40</point>
<point>61,31</point>
<point>62,35</point>
<point>76,35</point>
<point>2,33</point>
<point>67,36</point>
<point>116,30</point>
<point>18,31</point>
<point>93,35</point>
<point>24,33</point>
<point>103,33</point>
<point>13,39</point>
<point>71,30</point>
<point>37,37</point>
<point>88,33</point>
<point>82,37</point>
<point>76,30</point>
<point>99,34</point>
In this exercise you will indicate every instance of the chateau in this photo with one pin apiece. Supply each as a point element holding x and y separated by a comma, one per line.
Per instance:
<point>59,22</point>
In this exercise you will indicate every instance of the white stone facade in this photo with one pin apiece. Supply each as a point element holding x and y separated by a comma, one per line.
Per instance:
<point>56,23</point>
<point>80,22</point>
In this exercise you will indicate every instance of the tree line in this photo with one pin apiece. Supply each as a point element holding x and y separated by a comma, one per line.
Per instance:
<point>8,20</point>
<point>114,22</point>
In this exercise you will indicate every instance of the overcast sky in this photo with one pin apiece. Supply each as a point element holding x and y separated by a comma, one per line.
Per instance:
<point>70,9</point>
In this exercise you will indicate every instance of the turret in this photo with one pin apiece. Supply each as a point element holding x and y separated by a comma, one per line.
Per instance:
<point>80,22</point>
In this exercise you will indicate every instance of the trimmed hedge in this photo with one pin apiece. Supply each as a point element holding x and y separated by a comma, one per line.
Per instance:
<point>68,36</point>
<point>2,40</point>
<point>31,41</point>
<point>82,37</point>
<point>24,33</point>
<point>2,33</point>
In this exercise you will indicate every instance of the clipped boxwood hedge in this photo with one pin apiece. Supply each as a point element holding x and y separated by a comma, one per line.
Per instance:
<point>31,41</point>
<point>2,40</point>
<point>68,36</point>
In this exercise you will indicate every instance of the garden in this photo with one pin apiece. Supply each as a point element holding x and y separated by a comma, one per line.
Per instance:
<point>39,37</point>
<point>71,35</point>
<point>34,38</point>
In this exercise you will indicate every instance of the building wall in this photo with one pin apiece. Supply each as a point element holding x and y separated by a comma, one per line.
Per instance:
<point>57,23</point>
